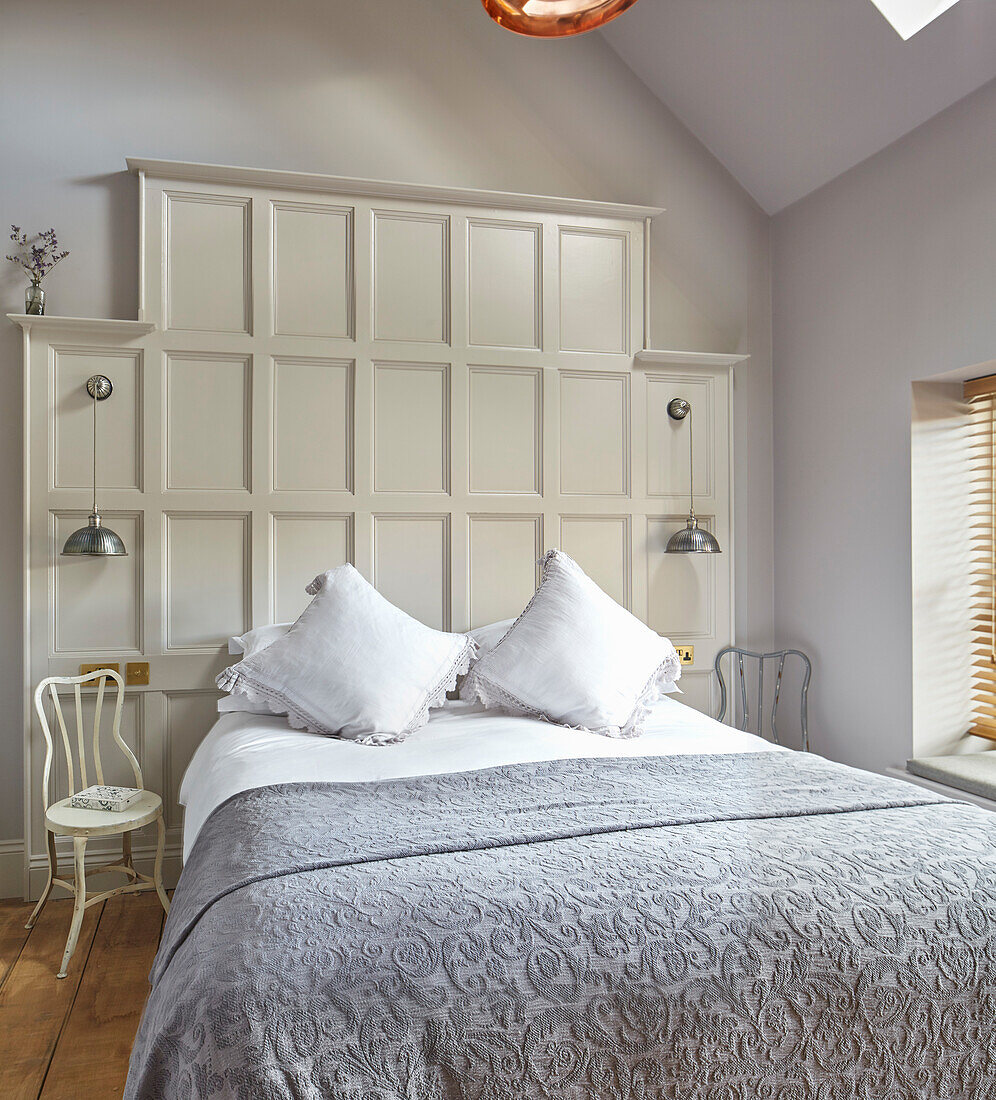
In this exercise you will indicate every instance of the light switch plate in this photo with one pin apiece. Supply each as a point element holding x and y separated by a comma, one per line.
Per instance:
<point>137,672</point>
<point>686,654</point>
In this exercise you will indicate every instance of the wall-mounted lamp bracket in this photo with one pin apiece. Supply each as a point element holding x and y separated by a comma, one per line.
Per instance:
<point>99,386</point>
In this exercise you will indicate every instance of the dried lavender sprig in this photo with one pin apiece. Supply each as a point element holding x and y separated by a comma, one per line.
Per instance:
<point>37,259</point>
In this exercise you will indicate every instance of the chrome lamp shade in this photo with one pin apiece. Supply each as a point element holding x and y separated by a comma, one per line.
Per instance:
<point>693,539</point>
<point>96,540</point>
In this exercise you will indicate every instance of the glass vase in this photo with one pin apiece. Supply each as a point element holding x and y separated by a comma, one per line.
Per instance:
<point>34,300</point>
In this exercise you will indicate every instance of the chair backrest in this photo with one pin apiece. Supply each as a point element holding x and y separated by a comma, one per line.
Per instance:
<point>52,683</point>
<point>739,658</point>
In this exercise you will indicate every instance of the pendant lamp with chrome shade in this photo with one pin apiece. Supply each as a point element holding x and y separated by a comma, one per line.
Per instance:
<point>692,539</point>
<point>554,18</point>
<point>95,539</point>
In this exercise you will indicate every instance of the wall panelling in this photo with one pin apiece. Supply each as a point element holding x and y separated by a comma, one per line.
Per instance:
<point>437,386</point>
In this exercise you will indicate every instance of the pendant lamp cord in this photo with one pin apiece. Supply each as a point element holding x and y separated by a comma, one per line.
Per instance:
<point>691,467</point>
<point>95,452</point>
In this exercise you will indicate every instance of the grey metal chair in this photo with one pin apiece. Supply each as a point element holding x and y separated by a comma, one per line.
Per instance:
<point>754,723</point>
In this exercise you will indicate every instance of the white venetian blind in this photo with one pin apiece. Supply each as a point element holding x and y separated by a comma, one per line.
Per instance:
<point>980,394</point>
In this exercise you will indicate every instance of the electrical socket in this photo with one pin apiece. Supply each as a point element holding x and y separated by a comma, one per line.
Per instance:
<point>112,665</point>
<point>686,654</point>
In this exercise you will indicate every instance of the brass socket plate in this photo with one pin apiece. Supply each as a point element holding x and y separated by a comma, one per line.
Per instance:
<point>112,665</point>
<point>686,654</point>
<point>136,673</point>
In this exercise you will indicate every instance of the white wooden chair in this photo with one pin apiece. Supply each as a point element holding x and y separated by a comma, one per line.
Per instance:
<point>61,819</point>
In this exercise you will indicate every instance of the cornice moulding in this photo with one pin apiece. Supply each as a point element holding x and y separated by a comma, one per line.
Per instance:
<point>186,172</point>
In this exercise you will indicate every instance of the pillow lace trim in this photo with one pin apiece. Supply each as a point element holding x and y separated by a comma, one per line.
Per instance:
<point>477,687</point>
<point>237,681</point>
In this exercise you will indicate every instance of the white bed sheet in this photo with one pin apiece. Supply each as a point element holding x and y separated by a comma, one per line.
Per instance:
<point>243,751</point>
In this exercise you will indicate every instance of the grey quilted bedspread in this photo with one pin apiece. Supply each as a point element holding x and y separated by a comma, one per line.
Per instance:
<point>767,926</point>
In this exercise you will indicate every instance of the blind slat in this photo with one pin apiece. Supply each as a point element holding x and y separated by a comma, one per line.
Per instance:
<point>980,453</point>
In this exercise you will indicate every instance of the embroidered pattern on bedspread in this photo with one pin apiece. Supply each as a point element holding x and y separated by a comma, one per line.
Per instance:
<point>691,928</point>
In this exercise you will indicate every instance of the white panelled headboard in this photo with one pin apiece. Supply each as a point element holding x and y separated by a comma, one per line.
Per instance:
<point>436,385</point>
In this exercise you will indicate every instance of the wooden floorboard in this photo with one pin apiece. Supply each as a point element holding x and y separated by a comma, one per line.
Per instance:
<point>13,934</point>
<point>91,1058</point>
<point>34,1004</point>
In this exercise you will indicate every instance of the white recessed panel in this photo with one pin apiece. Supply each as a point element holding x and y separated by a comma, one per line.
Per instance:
<point>304,545</point>
<point>114,764</point>
<point>207,263</point>
<point>681,587</point>
<point>119,420</point>
<point>667,439</point>
<point>207,578</point>
<point>506,430</point>
<point>698,690</point>
<point>593,290</point>
<point>411,427</point>
<point>504,298</point>
<point>412,565</point>
<point>504,550</point>
<point>312,270</point>
<point>97,601</point>
<point>189,716</point>
<point>208,417</point>
<point>602,546</point>
<point>411,277</point>
<point>313,424</point>
<point>594,433</point>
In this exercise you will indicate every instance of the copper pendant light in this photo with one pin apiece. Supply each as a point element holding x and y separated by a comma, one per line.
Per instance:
<point>554,18</point>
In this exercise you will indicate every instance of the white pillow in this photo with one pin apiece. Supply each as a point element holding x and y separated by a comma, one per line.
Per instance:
<point>487,637</point>
<point>353,665</point>
<point>242,704</point>
<point>575,657</point>
<point>258,638</point>
<point>248,645</point>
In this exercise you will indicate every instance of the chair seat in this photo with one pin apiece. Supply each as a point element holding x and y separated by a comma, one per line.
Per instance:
<point>66,820</point>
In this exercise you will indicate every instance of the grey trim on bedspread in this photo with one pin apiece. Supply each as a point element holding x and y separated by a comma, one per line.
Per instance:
<point>724,927</point>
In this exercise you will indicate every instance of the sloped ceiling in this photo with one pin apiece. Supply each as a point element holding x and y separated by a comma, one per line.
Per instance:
<point>789,94</point>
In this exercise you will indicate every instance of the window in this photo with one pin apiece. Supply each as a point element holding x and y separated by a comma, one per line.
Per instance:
<point>980,394</point>
<point>910,16</point>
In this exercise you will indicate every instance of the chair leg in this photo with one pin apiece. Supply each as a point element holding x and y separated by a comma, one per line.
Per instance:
<point>79,901</point>
<point>157,873</point>
<point>126,857</point>
<point>53,870</point>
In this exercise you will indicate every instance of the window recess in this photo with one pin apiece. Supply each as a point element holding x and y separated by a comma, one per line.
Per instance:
<point>980,396</point>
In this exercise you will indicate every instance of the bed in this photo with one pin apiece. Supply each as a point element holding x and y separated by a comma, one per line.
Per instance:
<point>500,907</point>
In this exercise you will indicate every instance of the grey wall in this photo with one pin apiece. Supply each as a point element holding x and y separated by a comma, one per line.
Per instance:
<point>886,275</point>
<point>358,89</point>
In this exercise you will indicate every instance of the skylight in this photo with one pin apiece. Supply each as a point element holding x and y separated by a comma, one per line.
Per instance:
<point>910,16</point>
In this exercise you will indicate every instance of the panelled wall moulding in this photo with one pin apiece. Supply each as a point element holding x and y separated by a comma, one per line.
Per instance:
<point>278,179</point>
<point>120,454</point>
<point>505,430</point>
<point>208,399</point>
<point>311,246</point>
<point>594,290</point>
<point>312,424</point>
<point>208,262</point>
<point>411,277</point>
<point>504,267</point>
<point>434,384</point>
<point>503,555</point>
